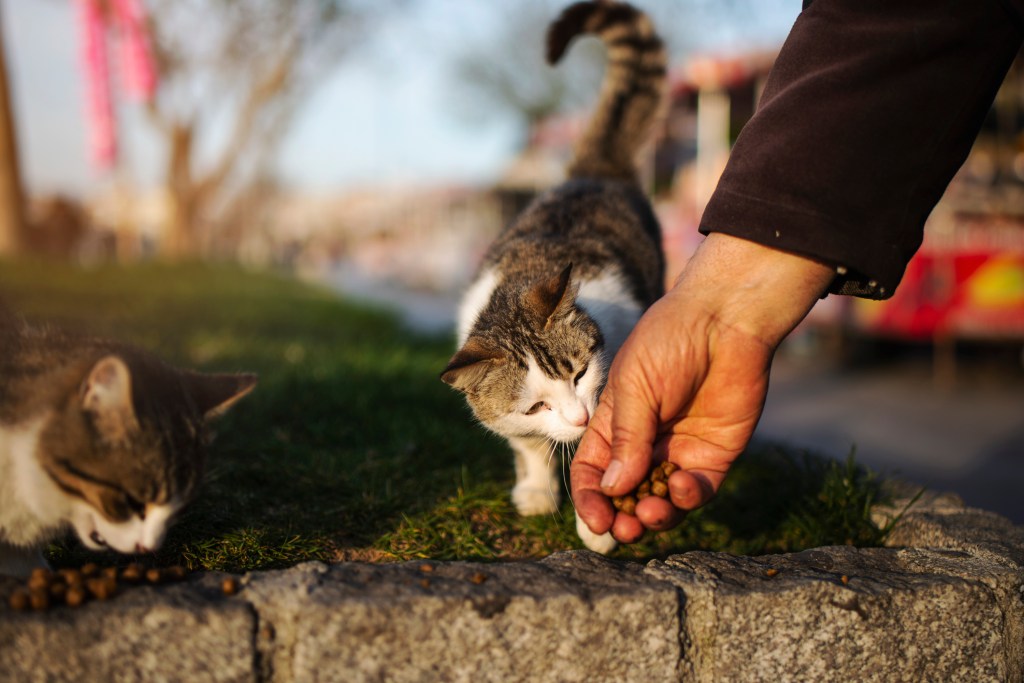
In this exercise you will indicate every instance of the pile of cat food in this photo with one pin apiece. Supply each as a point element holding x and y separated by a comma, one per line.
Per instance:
<point>656,484</point>
<point>75,587</point>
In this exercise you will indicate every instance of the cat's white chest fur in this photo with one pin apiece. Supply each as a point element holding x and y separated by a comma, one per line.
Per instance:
<point>609,303</point>
<point>31,507</point>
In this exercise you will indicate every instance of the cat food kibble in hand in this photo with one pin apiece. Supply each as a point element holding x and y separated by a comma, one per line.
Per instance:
<point>656,484</point>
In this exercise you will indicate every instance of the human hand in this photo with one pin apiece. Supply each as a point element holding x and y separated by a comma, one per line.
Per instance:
<point>689,383</point>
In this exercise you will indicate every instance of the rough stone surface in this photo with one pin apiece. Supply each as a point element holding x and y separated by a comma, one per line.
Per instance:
<point>791,617</point>
<point>182,632</point>
<point>944,603</point>
<point>573,617</point>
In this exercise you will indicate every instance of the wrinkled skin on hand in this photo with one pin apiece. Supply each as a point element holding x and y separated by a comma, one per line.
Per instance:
<point>689,383</point>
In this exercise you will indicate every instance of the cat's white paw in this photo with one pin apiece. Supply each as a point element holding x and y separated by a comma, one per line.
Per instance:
<point>599,543</point>
<point>531,500</point>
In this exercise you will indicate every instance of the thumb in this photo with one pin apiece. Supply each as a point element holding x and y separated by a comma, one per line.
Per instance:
<point>634,427</point>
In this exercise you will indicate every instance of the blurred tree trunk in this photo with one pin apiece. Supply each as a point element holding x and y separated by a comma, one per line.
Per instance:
<point>12,211</point>
<point>228,94</point>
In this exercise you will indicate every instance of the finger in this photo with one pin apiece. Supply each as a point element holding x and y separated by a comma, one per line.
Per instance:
<point>691,489</point>
<point>658,514</point>
<point>634,427</point>
<point>627,528</point>
<point>593,507</point>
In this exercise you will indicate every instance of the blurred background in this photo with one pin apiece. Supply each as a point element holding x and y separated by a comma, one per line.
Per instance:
<point>376,148</point>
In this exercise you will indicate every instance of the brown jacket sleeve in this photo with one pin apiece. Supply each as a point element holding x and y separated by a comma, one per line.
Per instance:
<point>870,109</point>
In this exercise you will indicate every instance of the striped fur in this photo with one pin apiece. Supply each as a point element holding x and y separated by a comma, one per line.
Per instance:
<point>631,97</point>
<point>560,288</point>
<point>96,436</point>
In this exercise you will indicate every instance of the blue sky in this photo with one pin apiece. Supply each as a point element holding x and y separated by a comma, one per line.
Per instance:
<point>386,115</point>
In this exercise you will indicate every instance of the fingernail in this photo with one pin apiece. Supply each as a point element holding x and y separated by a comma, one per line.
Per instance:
<point>611,475</point>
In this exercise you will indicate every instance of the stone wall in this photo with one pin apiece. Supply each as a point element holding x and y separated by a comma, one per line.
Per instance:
<point>943,604</point>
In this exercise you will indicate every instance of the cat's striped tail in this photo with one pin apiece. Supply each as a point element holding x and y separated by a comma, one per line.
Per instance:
<point>633,92</point>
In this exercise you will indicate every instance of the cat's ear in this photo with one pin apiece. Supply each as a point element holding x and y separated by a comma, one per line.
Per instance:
<point>215,394</point>
<point>552,295</point>
<point>106,395</point>
<point>470,364</point>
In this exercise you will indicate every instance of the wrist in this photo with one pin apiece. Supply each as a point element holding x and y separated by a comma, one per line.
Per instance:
<point>750,288</point>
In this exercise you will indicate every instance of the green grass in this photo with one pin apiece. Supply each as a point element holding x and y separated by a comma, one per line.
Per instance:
<point>352,448</point>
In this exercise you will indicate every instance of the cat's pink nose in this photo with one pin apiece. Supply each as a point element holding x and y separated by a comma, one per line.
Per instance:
<point>582,418</point>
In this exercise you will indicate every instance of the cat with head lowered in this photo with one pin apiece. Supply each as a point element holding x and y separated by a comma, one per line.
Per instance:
<point>562,286</point>
<point>99,437</point>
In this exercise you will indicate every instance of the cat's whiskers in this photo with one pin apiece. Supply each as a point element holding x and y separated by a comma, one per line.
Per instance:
<point>552,446</point>
<point>567,456</point>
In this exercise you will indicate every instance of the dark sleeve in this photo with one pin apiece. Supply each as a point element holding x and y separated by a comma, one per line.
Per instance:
<point>869,110</point>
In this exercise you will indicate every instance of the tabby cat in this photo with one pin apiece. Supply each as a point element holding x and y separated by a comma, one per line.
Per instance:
<point>97,436</point>
<point>562,286</point>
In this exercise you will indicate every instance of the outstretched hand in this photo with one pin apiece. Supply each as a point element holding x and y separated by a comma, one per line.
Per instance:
<point>689,383</point>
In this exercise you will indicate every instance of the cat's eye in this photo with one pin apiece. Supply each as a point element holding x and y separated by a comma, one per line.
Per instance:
<point>537,407</point>
<point>579,376</point>
<point>137,507</point>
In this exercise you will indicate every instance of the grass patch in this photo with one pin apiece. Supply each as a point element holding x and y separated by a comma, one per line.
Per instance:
<point>351,447</point>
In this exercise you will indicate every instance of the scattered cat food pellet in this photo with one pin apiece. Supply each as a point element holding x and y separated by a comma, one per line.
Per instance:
<point>38,582</point>
<point>40,573</point>
<point>101,588</point>
<point>175,573</point>
<point>425,583</point>
<point>771,572</point>
<point>478,578</point>
<point>74,587</point>
<point>427,568</point>
<point>132,573</point>
<point>229,586</point>
<point>19,600</point>
<point>845,579</point>
<point>72,577</point>
<point>39,599</point>
<point>75,596</point>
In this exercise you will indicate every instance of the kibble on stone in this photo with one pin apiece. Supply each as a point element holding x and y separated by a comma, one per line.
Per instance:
<point>132,573</point>
<point>58,589</point>
<point>478,578</point>
<point>75,596</point>
<point>109,573</point>
<point>229,586</point>
<point>72,577</point>
<point>90,569</point>
<point>39,598</point>
<point>38,582</point>
<point>154,575</point>
<point>101,588</point>
<point>175,573</point>
<point>19,600</point>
